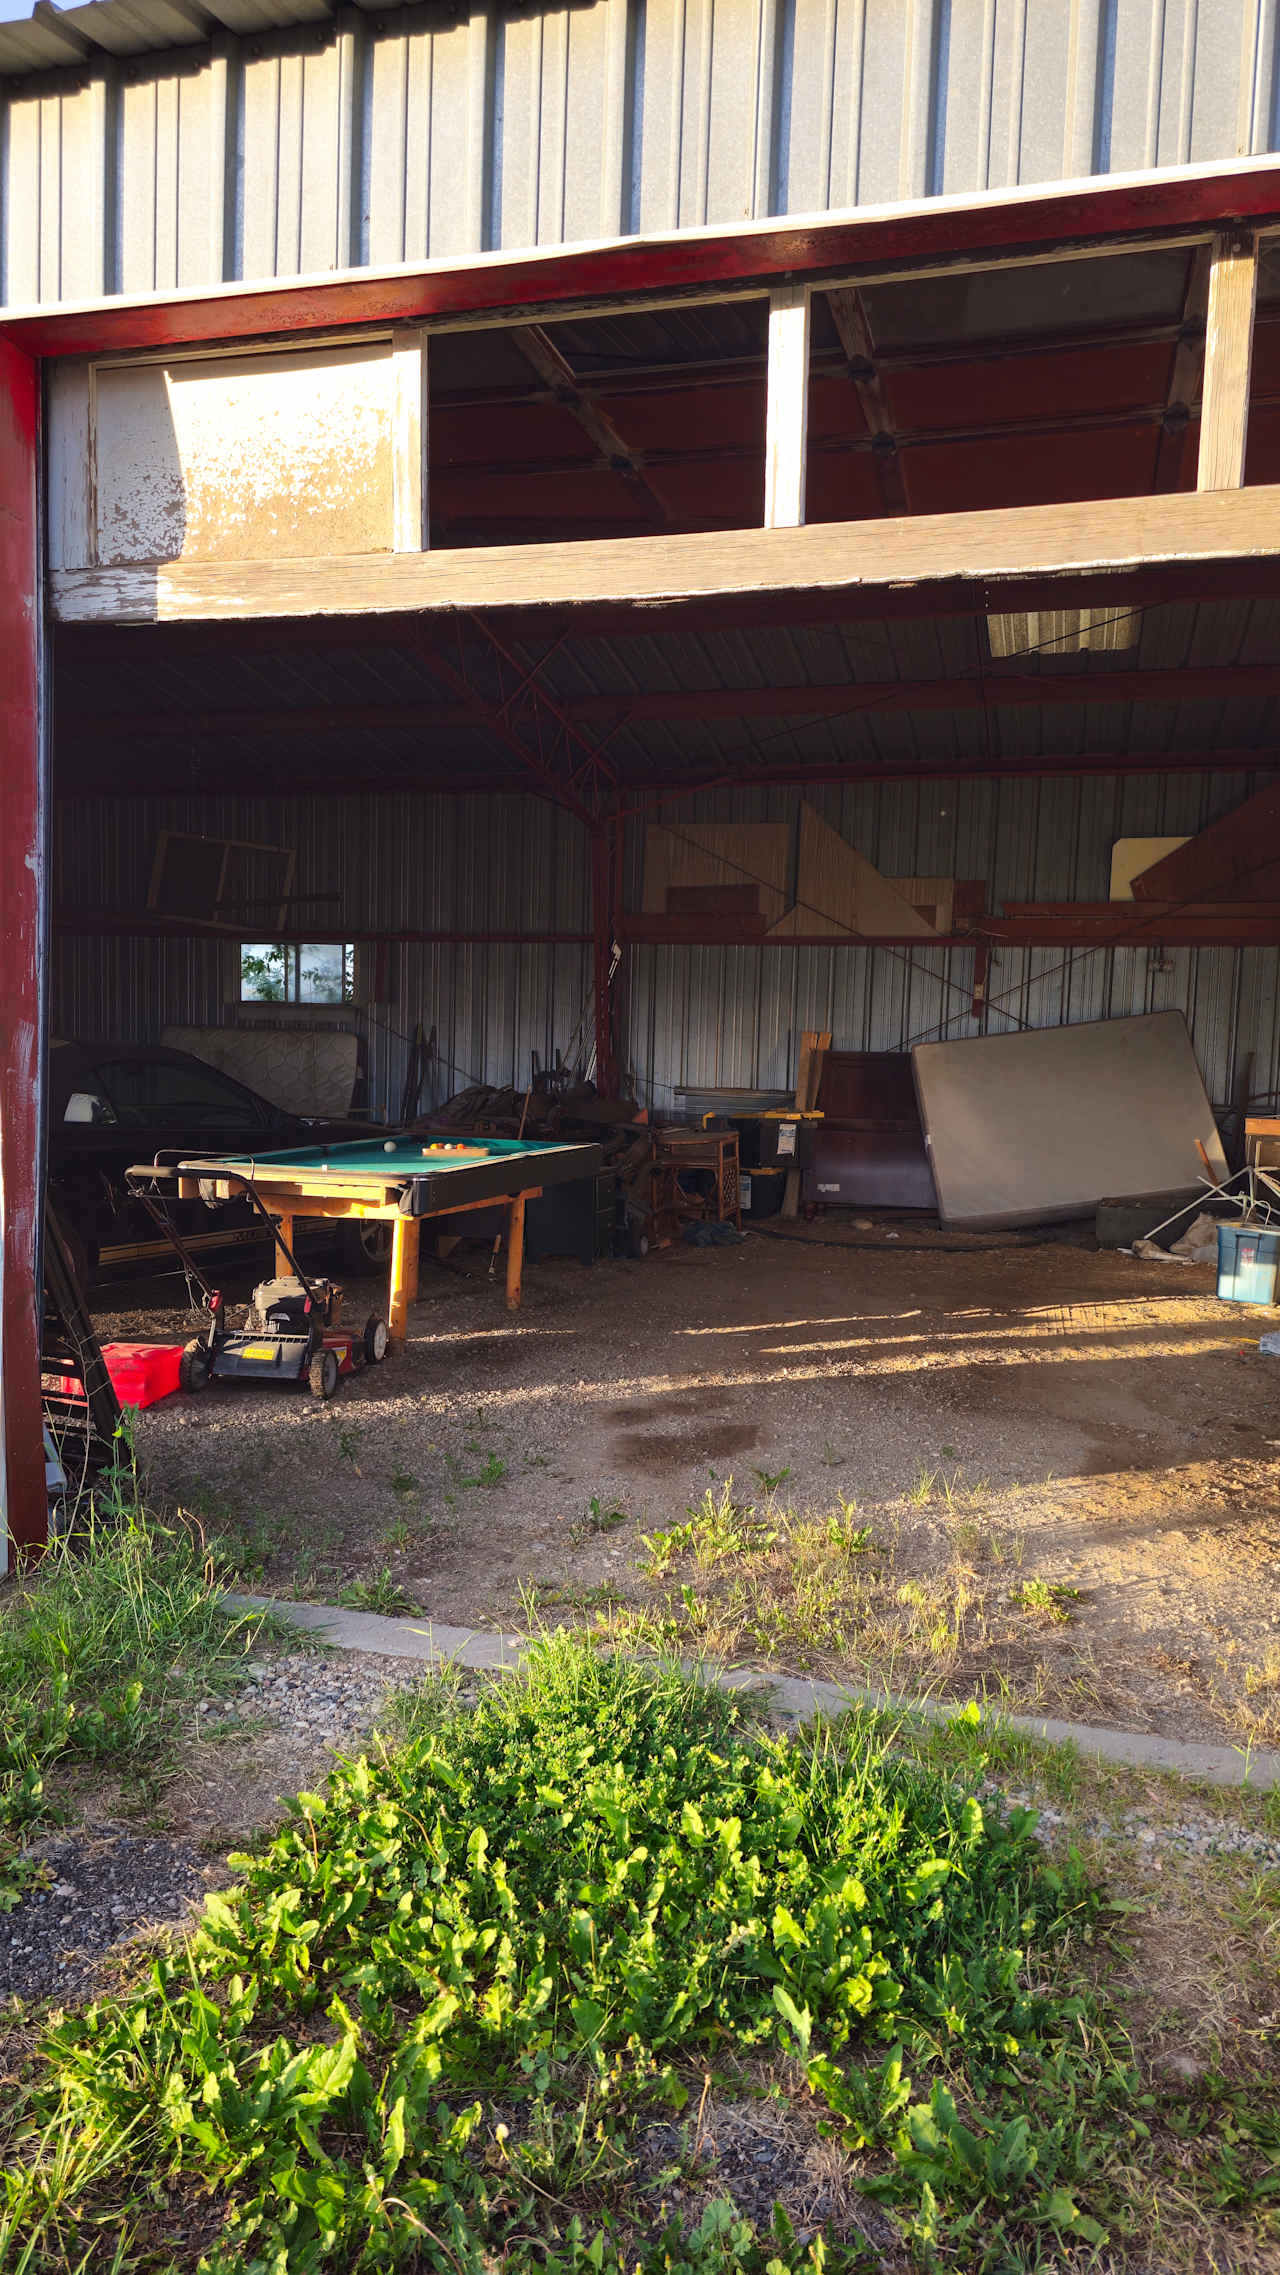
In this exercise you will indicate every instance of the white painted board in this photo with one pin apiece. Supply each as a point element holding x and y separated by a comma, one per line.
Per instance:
<point>1037,1127</point>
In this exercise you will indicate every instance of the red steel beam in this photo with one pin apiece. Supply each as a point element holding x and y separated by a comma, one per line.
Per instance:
<point>1179,927</point>
<point>23,1497</point>
<point>119,924</point>
<point>798,700</point>
<point>256,783</point>
<point>1098,215</point>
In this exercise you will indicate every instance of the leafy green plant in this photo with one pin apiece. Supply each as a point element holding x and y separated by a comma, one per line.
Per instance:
<point>430,2022</point>
<point>1046,1599</point>
<point>380,1592</point>
<point>771,1479</point>
<point>604,1519</point>
<point>491,1472</point>
<point>403,1482</point>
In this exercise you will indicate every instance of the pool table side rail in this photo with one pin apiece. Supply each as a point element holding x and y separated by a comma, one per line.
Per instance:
<point>293,1180</point>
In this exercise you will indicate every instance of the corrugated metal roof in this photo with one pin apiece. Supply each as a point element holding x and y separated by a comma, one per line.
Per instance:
<point>179,675</point>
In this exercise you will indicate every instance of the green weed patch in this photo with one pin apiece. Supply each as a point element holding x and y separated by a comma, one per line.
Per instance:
<point>114,1633</point>
<point>431,2023</point>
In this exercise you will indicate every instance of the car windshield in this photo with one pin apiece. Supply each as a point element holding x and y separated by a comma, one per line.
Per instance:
<point>146,1092</point>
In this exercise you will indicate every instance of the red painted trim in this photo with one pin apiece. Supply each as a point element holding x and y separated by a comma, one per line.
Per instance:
<point>96,924</point>
<point>21,881</point>
<point>688,261</point>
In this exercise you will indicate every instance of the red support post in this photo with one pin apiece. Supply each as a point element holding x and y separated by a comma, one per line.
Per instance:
<point>23,1499</point>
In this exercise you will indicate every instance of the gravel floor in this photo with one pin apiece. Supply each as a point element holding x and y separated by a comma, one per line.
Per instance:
<point>1110,1423</point>
<point>1190,1836</point>
<point>279,1733</point>
<point>106,1885</point>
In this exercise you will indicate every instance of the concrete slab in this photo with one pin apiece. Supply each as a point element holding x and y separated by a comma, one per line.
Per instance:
<point>795,1696</point>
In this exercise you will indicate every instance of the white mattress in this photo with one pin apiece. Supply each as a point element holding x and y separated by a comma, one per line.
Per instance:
<point>1032,1127</point>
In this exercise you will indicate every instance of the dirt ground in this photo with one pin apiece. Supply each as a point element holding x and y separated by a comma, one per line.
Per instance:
<point>1037,1470</point>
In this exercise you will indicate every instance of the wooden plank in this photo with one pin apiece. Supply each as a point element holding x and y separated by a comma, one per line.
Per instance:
<point>814,1045</point>
<point>787,410</point>
<point>855,563</point>
<point>686,856</point>
<point>1228,360</point>
<point>409,490</point>
<point>839,891</point>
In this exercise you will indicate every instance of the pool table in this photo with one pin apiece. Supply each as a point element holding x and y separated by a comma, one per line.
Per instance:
<point>400,1181</point>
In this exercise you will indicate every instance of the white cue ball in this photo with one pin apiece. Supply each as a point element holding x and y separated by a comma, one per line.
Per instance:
<point>388,1145</point>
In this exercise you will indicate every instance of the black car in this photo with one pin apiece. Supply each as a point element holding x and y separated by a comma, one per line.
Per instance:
<point>112,1105</point>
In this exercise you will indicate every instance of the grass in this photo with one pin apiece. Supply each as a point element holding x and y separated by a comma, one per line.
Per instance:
<point>104,1647</point>
<point>438,2021</point>
<point>814,1592</point>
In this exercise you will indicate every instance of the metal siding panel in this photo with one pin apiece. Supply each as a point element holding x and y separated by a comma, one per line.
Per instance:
<point>410,861</point>
<point>564,124</point>
<point>166,181</point>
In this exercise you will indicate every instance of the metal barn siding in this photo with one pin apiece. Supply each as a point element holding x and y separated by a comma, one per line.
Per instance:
<point>285,146</point>
<point>412,863</point>
<point>735,1015</point>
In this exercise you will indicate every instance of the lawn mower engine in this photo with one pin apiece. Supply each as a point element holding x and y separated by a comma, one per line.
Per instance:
<point>292,1333</point>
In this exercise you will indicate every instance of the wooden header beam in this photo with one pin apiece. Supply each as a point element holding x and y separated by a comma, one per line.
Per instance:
<point>846,568</point>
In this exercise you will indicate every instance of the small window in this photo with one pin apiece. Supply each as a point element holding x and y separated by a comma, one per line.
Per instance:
<point>322,971</point>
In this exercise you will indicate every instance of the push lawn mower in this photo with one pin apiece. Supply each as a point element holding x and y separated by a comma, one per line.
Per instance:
<point>293,1329</point>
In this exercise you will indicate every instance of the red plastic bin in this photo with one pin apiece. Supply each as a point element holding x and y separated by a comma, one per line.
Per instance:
<point>141,1373</point>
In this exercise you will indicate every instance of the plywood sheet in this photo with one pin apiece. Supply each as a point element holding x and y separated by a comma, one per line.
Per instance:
<point>1032,1128</point>
<point>838,892</point>
<point>682,856</point>
<point>1131,855</point>
<point>933,897</point>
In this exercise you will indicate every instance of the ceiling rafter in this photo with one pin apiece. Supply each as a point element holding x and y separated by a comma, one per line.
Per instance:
<point>470,705</point>
<point>255,777</point>
<point>1186,373</point>
<point>849,315</point>
<point>576,397</point>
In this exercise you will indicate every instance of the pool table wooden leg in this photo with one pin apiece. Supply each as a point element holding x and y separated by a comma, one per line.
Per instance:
<point>515,1251</point>
<point>404,1275</point>
<point>284,1229</point>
